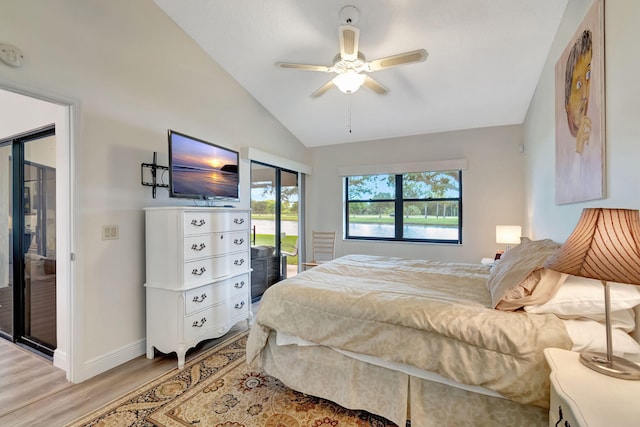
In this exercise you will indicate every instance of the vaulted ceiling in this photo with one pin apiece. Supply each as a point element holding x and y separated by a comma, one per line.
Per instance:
<point>484,60</point>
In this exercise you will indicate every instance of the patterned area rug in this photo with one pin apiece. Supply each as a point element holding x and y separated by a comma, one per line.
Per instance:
<point>219,389</point>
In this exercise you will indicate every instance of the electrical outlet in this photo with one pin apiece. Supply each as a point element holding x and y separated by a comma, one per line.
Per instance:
<point>110,232</point>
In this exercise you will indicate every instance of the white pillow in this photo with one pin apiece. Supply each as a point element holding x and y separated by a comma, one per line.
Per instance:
<point>621,319</point>
<point>578,296</point>
<point>589,335</point>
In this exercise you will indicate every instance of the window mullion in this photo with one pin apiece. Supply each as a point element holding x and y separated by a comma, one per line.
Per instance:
<point>346,207</point>
<point>399,217</point>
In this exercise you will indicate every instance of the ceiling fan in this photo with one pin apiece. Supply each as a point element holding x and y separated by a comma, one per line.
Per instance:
<point>350,64</point>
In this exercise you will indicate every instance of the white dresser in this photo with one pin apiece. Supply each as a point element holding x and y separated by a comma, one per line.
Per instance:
<point>198,280</point>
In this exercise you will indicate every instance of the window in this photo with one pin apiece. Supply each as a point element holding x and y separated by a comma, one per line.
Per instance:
<point>415,207</point>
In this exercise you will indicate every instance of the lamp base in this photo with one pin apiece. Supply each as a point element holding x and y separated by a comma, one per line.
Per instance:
<point>617,367</point>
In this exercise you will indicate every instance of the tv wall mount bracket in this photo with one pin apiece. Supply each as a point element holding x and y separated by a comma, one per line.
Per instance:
<point>154,178</point>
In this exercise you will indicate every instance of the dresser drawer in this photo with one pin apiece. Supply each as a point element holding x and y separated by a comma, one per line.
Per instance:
<point>208,269</point>
<point>205,322</point>
<point>208,222</point>
<point>238,307</point>
<point>215,320</point>
<point>206,245</point>
<point>209,295</point>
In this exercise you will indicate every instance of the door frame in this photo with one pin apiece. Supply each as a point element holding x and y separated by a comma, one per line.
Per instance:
<point>249,154</point>
<point>69,328</point>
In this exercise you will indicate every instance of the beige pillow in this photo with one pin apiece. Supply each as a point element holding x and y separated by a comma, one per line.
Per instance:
<point>518,279</point>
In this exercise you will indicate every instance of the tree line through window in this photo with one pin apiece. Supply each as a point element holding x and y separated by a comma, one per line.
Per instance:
<point>413,206</point>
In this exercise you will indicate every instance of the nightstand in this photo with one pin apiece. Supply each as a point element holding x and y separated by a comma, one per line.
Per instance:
<point>582,397</point>
<point>487,261</point>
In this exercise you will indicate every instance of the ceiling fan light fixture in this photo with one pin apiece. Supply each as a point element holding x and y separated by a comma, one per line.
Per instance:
<point>349,81</point>
<point>350,65</point>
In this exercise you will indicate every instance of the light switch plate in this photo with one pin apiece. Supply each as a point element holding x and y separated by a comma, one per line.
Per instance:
<point>11,55</point>
<point>110,232</point>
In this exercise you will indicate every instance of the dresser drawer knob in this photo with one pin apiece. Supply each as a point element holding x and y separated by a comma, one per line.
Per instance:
<point>198,223</point>
<point>238,220</point>
<point>239,285</point>
<point>197,272</point>
<point>199,324</point>
<point>196,247</point>
<point>238,241</point>
<point>199,298</point>
<point>239,261</point>
<point>239,305</point>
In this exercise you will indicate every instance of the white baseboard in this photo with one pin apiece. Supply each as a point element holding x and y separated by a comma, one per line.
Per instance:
<point>108,361</point>
<point>60,360</point>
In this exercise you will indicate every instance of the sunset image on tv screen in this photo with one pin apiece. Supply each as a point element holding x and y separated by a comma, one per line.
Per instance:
<point>202,170</point>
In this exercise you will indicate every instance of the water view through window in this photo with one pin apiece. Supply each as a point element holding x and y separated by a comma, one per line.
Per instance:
<point>409,231</point>
<point>420,206</point>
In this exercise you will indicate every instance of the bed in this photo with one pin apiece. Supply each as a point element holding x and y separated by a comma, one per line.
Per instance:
<point>418,340</point>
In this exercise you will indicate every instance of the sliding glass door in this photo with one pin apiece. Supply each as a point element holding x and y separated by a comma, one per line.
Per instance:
<point>289,220</point>
<point>263,205</point>
<point>274,222</point>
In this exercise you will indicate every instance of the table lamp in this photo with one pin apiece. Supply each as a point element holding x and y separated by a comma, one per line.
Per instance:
<point>605,246</point>
<point>507,235</point>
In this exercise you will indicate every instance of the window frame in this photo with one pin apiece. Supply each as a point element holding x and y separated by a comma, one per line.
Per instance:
<point>398,202</point>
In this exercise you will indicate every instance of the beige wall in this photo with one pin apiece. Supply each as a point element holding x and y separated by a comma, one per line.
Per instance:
<point>131,74</point>
<point>545,219</point>
<point>491,187</point>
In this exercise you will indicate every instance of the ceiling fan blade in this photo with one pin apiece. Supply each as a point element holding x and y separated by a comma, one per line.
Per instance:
<point>304,67</point>
<point>400,59</point>
<point>323,89</point>
<point>374,85</point>
<point>349,36</point>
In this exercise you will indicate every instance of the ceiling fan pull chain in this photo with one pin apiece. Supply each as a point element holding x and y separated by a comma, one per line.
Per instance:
<point>349,113</point>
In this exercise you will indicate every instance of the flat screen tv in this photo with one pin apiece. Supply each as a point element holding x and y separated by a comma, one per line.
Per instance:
<point>202,170</point>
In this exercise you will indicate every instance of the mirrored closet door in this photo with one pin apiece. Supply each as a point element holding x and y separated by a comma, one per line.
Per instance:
<point>28,240</point>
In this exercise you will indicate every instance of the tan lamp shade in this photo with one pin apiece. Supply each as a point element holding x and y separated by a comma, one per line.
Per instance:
<point>605,245</point>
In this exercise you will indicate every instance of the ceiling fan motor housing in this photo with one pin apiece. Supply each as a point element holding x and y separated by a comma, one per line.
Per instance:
<point>340,65</point>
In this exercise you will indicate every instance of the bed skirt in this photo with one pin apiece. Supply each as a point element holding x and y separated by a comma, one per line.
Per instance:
<point>394,395</point>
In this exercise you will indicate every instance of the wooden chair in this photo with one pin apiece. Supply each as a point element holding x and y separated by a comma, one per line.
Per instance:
<point>322,248</point>
<point>285,254</point>
<point>291,253</point>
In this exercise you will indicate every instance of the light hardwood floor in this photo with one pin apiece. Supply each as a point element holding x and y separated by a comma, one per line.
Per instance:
<point>34,393</point>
